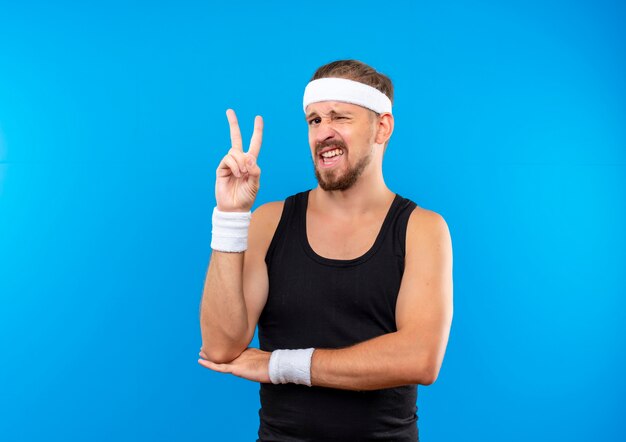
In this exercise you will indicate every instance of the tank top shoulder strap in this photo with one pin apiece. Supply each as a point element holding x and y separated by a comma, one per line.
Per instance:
<point>287,221</point>
<point>400,222</point>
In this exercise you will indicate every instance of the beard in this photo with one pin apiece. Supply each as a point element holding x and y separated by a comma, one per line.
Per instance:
<point>332,179</point>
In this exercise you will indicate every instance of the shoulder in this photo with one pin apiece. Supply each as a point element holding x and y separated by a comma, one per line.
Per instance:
<point>426,228</point>
<point>263,225</point>
<point>422,218</point>
<point>268,211</point>
<point>267,215</point>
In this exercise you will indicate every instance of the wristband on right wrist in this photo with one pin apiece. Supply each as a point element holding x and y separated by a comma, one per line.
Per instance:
<point>230,231</point>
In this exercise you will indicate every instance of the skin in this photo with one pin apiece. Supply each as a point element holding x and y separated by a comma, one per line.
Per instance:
<point>355,197</point>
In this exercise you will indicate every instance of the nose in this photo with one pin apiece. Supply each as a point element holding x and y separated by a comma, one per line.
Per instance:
<point>324,131</point>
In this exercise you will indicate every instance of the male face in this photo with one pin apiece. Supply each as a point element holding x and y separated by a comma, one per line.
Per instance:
<point>341,136</point>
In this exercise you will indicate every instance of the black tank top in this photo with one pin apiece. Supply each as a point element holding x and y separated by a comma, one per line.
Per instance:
<point>320,302</point>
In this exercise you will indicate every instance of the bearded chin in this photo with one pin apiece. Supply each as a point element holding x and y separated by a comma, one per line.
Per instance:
<point>345,180</point>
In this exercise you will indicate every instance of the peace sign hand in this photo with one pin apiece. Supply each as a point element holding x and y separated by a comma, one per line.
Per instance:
<point>238,173</point>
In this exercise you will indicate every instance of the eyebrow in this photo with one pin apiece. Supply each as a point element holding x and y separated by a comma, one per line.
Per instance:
<point>332,113</point>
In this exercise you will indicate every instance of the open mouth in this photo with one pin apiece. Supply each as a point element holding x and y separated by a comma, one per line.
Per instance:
<point>330,158</point>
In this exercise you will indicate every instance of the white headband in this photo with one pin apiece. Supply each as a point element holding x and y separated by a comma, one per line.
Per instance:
<point>349,91</point>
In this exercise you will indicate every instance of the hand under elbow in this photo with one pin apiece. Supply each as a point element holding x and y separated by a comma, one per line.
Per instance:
<point>221,356</point>
<point>223,348</point>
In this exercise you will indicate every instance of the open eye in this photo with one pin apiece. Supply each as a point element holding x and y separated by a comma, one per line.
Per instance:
<point>316,120</point>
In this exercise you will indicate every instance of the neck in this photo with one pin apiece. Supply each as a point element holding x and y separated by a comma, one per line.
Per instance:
<point>369,194</point>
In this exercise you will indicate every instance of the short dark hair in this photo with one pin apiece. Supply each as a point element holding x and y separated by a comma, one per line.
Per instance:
<point>357,71</point>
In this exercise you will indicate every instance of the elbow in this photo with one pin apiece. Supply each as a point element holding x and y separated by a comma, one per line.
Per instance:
<point>222,351</point>
<point>429,376</point>
<point>222,348</point>
<point>220,356</point>
<point>426,373</point>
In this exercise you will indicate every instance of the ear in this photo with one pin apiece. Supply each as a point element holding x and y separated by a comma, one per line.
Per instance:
<point>384,128</point>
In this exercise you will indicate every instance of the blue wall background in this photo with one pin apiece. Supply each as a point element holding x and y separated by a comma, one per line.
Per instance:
<point>510,122</point>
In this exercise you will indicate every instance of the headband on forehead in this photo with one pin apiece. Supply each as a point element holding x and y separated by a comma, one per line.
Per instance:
<point>349,91</point>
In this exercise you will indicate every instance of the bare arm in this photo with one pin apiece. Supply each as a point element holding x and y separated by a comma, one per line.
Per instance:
<point>223,312</point>
<point>236,289</point>
<point>236,284</point>
<point>414,353</point>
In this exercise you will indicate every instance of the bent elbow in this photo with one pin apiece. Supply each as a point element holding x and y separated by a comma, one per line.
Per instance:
<point>223,348</point>
<point>429,377</point>
<point>221,356</point>
<point>428,374</point>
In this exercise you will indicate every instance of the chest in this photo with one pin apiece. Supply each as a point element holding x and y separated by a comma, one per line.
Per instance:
<point>342,240</point>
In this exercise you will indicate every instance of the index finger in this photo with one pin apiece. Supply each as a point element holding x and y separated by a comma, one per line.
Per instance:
<point>257,137</point>
<point>235,133</point>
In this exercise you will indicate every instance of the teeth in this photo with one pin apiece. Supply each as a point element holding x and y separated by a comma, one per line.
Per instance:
<point>332,153</point>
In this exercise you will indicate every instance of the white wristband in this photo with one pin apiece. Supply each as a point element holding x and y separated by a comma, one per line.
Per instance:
<point>230,231</point>
<point>291,366</point>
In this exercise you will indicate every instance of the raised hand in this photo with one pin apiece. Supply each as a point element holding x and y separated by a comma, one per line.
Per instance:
<point>238,174</point>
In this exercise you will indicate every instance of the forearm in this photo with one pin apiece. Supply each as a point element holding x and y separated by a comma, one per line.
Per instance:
<point>223,314</point>
<point>387,361</point>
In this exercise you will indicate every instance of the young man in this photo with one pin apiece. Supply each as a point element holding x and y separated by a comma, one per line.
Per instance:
<point>350,283</point>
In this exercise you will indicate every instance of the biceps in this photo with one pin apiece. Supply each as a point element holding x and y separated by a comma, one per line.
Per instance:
<point>424,304</point>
